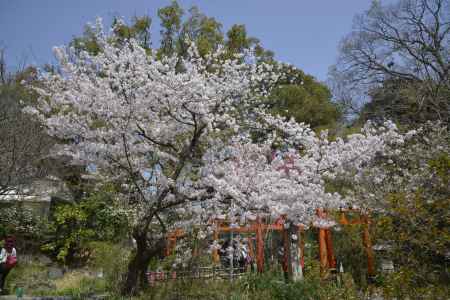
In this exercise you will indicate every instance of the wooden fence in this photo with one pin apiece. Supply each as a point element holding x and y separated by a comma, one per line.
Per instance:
<point>198,273</point>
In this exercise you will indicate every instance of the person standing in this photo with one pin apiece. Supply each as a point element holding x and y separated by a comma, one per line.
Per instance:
<point>8,260</point>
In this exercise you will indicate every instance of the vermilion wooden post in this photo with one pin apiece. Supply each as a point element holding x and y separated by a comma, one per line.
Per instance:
<point>322,246</point>
<point>171,241</point>
<point>368,246</point>
<point>330,252</point>
<point>259,246</point>
<point>323,251</point>
<point>343,220</point>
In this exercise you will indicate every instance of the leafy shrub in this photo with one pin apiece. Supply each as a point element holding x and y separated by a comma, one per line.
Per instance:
<point>401,284</point>
<point>417,227</point>
<point>111,260</point>
<point>74,226</point>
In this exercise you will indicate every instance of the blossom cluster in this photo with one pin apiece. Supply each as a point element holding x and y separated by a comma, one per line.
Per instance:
<point>292,182</point>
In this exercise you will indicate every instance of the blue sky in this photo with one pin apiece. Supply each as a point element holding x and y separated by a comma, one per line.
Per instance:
<point>305,33</point>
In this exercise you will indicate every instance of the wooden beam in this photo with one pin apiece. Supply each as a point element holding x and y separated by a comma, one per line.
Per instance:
<point>330,252</point>
<point>259,246</point>
<point>323,255</point>
<point>368,246</point>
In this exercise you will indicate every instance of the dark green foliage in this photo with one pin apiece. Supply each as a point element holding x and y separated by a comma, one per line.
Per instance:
<point>309,103</point>
<point>273,284</point>
<point>406,103</point>
<point>302,97</point>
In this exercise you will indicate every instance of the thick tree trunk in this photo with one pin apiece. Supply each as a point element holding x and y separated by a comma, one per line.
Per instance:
<point>136,267</point>
<point>136,278</point>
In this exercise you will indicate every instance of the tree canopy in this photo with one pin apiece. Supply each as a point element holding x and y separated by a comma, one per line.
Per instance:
<point>405,43</point>
<point>299,95</point>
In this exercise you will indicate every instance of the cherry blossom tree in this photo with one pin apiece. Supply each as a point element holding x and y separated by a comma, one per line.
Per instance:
<point>179,140</point>
<point>141,123</point>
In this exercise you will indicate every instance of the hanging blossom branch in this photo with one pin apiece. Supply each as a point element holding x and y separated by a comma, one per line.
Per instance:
<point>293,182</point>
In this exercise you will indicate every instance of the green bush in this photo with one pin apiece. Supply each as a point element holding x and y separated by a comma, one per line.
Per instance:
<point>417,228</point>
<point>75,226</point>
<point>401,284</point>
<point>111,260</point>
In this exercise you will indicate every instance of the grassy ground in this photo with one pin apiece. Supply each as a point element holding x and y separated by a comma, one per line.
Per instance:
<point>33,277</point>
<point>34,280</point>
